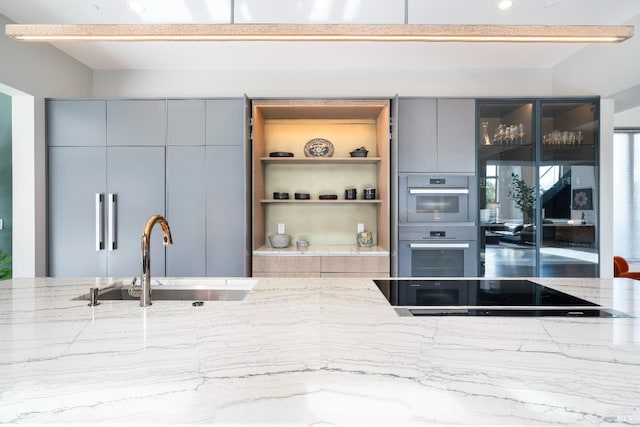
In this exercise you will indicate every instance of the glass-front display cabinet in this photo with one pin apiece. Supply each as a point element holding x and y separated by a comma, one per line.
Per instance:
<point>538,187</point>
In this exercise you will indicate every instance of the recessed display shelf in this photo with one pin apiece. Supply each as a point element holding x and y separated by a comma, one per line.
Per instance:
<point>284,160</point>
<point>320,201</point>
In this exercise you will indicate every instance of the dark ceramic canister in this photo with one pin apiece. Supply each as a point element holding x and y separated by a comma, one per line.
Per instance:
<point>369,193</point>
<point>350,193</point>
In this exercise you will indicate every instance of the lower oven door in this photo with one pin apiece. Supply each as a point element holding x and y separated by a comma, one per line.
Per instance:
<point>438,259</point>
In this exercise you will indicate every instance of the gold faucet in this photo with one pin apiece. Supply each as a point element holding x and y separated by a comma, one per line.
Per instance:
<point>145,296</point>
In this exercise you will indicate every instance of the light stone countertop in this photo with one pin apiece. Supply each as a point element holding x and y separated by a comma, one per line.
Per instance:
<point>328,250</point>
<point>311,352</point>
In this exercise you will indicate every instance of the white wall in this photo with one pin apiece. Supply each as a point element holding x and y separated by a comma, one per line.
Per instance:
<point>323,83</point>
<point>628,119</point>
<point>29,73</point>
<point>600,69</point>
<point>606,188</point>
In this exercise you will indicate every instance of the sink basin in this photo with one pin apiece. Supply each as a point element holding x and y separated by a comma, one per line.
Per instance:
<point>184,289</point>
<point>178,295</point>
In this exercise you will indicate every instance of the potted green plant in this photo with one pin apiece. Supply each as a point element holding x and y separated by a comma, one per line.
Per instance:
<point>523,195</point>
<point>5,266</point>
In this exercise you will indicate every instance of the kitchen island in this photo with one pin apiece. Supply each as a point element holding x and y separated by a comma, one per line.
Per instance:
<point>311,352</point>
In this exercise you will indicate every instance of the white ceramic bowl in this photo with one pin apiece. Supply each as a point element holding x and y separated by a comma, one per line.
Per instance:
<point>279,240</point>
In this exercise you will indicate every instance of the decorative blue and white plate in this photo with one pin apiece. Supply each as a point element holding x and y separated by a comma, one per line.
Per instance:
<point>318,147</point>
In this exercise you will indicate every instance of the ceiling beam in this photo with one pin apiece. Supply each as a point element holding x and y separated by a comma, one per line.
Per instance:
<point>320,32</point>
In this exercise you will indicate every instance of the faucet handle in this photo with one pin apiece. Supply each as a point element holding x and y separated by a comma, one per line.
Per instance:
<point>133,290</point>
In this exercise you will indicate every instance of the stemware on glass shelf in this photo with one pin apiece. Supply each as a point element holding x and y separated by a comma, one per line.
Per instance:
<point>558,137</point>
<point>504,134</point>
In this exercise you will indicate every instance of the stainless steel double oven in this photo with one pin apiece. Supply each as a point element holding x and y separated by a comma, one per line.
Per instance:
<point>437,233</point>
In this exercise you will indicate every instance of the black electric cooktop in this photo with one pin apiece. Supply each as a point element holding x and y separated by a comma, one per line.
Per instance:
<point>485,297</point>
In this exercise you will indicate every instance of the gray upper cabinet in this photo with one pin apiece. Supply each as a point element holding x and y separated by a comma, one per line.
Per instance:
<point>136,122</point>
<point>417,135</point>
<point>86,119</point>
<point>436,135</point>
<point>456,135</point>
<point>186,122</point>
<point>225,121</point>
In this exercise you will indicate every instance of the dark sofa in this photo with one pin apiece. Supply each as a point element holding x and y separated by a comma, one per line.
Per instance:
<point>521,234</point>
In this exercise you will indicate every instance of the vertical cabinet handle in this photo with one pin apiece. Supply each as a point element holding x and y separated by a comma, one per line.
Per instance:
<point>99,222</point>
<point>113,223</point>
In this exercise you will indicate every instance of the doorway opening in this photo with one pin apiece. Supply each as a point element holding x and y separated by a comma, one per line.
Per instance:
<point>6,188</point>
<point>626,194</point>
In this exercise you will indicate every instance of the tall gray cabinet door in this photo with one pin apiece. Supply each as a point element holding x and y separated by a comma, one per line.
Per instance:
<point>76,176</point>
<point>186,211</point>
<point>226,221</point>
<point>456,135</point>
<point>136,122</point>
<point>225,121</point>
<point>135,175</point>
<point>417,135</point>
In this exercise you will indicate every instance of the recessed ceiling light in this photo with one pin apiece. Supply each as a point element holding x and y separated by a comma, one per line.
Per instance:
<point>505,4</point>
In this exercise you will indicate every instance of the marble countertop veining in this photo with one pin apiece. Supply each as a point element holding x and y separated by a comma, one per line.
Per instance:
<point>303,352</point>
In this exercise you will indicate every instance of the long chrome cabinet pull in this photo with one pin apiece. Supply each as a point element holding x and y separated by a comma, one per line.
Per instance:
<point>438,191</point>
<point>99,222</point>
<point>438,245</point>
<point>113,223</point>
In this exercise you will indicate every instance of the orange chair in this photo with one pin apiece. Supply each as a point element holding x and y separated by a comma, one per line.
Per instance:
<point>621,269</point>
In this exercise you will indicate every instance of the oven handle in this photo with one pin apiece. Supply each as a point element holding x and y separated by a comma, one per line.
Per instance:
<point>438,245</point>
<point>438,191</point>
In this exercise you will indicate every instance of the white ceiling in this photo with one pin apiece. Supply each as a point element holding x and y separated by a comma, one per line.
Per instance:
<point>318,55</point>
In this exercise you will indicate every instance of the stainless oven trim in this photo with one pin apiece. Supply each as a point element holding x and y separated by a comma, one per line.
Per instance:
<point>438,245</point>
<point>438,191</point>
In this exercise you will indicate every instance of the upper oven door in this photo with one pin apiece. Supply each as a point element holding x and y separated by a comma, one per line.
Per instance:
<point>438,204</point>
<point>431,198</point>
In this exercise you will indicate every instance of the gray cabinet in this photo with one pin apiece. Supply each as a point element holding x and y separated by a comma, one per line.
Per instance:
<point>226,121</point>
<point>76,123</point>
<point>77,175</point>
<point>226,211</point>
<point>186,122</point>
<point>96,215</point>
<point>184,159</point>
<point>436,135</point>
<point>135,177</point>
<point>456,135</point>
<point>417,135</point>
<point>206,187</point>
<point>136,122</point>
<point>186,210</point>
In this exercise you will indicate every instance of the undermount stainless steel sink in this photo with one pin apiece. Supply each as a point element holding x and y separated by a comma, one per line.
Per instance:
<point>182,290</point>
<point>178,295</point>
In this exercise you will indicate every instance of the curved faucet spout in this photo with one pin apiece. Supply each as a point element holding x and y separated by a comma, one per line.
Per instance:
<point>145,296</point>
